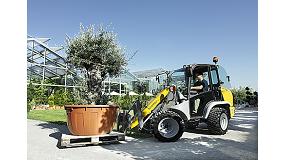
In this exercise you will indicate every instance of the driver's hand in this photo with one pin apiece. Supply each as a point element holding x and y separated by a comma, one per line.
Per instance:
<point>193,92</point>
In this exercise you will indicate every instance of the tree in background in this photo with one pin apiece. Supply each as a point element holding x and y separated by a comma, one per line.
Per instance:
<point>245,94</point>
<point>251,97</point>
<point>51,100</point>
<point>239,94</point>
<point>97,54</point>
<point>30,96</point>
<point>40,95</point>
<point>140,87</point>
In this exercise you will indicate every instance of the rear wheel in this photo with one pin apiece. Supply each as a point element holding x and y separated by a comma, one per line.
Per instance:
<point>218,121</point>
<point>168,126</point>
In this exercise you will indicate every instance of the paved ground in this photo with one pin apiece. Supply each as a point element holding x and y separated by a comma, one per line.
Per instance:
<point>239,143</point>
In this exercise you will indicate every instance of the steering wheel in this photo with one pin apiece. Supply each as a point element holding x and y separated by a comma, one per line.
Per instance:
<point>193,92</point>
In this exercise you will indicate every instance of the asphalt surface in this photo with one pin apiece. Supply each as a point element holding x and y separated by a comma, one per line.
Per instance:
<point>240,142</point>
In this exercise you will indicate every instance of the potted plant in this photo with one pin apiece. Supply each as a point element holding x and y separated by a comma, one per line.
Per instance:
<point>97,54</point>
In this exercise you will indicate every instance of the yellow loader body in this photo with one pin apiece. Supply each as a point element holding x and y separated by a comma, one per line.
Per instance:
<point>228,97</point>
<point>151,106</point>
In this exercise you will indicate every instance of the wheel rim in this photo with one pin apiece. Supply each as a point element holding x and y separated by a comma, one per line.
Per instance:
<point>224,121</point>
<point>168,127</point>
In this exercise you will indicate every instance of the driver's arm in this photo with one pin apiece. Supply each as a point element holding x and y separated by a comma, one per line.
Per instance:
<point>197,87</point>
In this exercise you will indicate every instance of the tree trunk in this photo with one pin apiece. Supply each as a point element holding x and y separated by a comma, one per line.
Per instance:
<point>94,84</point>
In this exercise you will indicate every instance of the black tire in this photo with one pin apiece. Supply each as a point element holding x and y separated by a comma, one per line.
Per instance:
<point>214,122</point>
<point>122,122</point>
<point>191,125</point>
<point>177,126</point>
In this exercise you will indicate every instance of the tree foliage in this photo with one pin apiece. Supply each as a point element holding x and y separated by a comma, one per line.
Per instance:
<point>97,54</point>
<point>239,93</point>
<point>140,87</point>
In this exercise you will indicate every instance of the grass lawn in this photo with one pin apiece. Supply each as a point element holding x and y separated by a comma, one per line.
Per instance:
<point>52,116</point>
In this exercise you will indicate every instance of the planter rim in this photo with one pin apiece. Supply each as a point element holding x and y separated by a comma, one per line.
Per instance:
<point>90,106</point>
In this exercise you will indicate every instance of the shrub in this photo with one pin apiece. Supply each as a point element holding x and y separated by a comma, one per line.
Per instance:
<point>29,106</point>
<point>126,102</point>
<point>40,95</point>
<point>51,100</point>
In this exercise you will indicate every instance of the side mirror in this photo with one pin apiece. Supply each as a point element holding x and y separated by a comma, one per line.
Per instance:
<point>228,77</point>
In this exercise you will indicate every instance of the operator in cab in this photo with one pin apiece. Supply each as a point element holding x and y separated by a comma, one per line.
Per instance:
<point>201,85</point>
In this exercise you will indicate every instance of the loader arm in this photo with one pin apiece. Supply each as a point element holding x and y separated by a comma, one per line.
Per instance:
<point>151,106</point>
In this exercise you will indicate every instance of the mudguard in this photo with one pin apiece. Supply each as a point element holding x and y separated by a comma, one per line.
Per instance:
<point>212,104</point>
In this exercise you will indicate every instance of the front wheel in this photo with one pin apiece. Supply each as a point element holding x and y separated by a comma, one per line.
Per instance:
<point>168,126</point>
<point>218,121</point>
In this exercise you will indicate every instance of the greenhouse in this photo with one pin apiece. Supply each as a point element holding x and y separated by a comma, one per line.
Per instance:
<point>149,78</point>
<point>47,66</point>
<point>122,84</point>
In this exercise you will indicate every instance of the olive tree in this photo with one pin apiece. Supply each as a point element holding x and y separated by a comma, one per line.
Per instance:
<point>97,53</point>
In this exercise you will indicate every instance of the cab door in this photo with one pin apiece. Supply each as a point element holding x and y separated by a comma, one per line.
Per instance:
<point>225,89</point>
<point>215,83</point>
<point>203,97</point>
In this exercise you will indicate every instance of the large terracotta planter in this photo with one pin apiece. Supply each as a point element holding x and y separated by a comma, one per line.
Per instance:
<point>86,120</point>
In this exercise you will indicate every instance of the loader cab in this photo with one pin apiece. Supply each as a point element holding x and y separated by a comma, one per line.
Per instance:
<point>197,100</point>
<point>184,79</point>
<point>215,76</point>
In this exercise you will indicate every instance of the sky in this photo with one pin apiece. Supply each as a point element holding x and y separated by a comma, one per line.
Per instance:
<point>166,33</point>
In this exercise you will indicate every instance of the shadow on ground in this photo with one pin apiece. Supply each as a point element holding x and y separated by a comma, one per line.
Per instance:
<point>59,129</point>
<point>185,148</point>
<point>197,144</point>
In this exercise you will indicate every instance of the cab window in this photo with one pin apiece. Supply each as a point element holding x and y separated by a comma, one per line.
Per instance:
<point>224,77</point>
<point>214,76</point>
<point>178,79</point>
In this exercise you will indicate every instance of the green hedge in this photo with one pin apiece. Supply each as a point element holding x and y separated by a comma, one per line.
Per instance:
<point>126,102</point>
<point>43,95</point>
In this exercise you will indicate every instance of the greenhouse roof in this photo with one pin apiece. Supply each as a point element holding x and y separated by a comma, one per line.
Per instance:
<point>44,60</point>
<point>148,73</point>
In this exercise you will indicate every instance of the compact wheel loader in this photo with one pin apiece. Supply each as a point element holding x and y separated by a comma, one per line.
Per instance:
<point>177,107</point>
